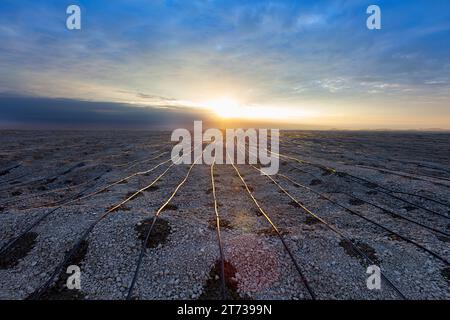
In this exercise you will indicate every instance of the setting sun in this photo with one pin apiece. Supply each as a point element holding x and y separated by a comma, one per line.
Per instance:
<point>224,107</point>
<point>229,108</point>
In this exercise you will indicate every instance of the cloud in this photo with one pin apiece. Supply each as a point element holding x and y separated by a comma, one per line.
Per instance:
<point>31,112</point>
<point>180,53</point>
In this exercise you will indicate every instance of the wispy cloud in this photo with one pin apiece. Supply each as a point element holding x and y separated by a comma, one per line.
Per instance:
<point>277,53</point>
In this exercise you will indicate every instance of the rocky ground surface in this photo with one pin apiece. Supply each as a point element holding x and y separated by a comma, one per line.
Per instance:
<point>384,200</point>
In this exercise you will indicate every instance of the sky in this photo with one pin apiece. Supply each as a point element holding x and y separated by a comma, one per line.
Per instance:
<point>297,64</point>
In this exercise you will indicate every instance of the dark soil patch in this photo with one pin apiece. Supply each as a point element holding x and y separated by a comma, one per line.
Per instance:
<point>160,232</point>
<point>79,255</point>
<point>271,232</point>
<point>5,172</point>
<point>249,188</point>
<point>211,204</point>
<point>370,185</point>
<point>371,192</point>
<point>50,180</point>
<point>212,290</point>
<point>311,220</point>
<point>129,194</point>
<point>59,290</point>
<point>391,214</point>
<point>315,182</point>
<point>448,227</point>
<point>409,208</point>
<point>365,248</point>
<point>443,238</point>
<point>209,191</point>
<point>446,273</point>
<point>16,193</point>
<point>224,224</point>
<point>295,204</point>
<point>12,257</point>
<point>327,172</point>
<point>355,202</point>
<point>152,188</point>
<point>394,237</point>
<point>2,209</point>
<point>171,206</point>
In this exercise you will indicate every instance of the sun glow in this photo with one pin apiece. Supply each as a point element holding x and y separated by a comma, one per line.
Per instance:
<point>229,108</point>
<point>224,107</point>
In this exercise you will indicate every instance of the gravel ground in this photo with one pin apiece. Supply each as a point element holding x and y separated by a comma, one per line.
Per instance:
<point>40,170</point>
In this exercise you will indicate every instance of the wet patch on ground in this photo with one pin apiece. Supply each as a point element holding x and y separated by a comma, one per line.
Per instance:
<point>327,172</point>
<point>159,234</point>
<point>152,188</point>
<point>16,193</point>
<point>224,224</point>
<point>12,257</point>
<point>271,232</point>
<point>131,193</point>
<point>356,202</point>
<point>394,237</point>
<point>113,208</point>
<point>213,288</point>
<point>295,204</point>
<point>211,204</point>
<point>309,220</point>
<point>446,273</point>
<point>171,206</point>
<point>365,248</point>
<point>59,290</point>
<point>443,238</point>
<point>249,188</point>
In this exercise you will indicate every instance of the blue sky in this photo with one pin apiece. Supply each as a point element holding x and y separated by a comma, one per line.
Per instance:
<point>311,62</point>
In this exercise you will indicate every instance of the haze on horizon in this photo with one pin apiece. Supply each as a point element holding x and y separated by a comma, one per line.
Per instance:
<point>306,64</point>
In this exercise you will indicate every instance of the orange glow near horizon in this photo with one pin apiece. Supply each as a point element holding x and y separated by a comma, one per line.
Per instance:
<point>228,108</point>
